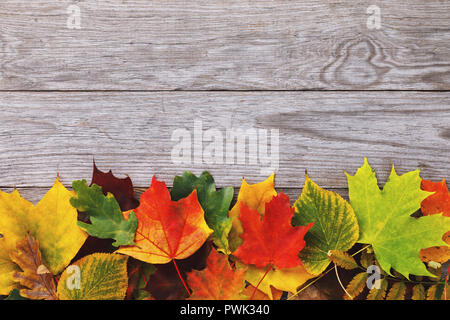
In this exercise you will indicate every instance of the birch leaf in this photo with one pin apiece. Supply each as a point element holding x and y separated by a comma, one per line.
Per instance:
<point>103,276</point>
<point>335,225</point>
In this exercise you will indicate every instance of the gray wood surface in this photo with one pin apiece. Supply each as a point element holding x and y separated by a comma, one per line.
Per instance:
<point>224,45</point>
<point>326,133</point>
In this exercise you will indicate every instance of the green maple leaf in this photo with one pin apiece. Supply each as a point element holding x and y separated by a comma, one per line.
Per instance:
<point>107,221</point>
<point>385,221</point>
<point>335,225</point>
<point>215,203</point>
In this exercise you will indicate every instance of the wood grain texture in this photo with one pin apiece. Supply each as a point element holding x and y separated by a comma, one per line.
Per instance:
<point>43,133</point>
<point>224,45</point>
<point>35,194</point>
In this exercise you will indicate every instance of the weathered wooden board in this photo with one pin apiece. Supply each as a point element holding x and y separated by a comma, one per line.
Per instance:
<point>34,195</point>
<point>42,133</point>
<point>230,45</point>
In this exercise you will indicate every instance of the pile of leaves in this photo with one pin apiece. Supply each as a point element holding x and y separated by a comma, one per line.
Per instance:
<point>188,242</point>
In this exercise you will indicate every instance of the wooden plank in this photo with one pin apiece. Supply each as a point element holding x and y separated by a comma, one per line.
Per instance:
<point>34,195</point>
<point>230,45</point>
<point>326,133</point>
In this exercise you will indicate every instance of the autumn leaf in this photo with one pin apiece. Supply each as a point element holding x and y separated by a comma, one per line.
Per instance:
<point>138,275</point>
<point>15,295</point>
<point>14,213</point>
<point>102,276</point>
<point>288,280</point>
<point>385,221</point>
<point>255,197</point>
<point>167,229</point>
<point>35,277</point>
<point>259,295</point>
<point>52,222</point>
<point>215,203</point>
<point>122,189</point>
<point>165,284</point>
<point>107,221</point>
<point>218,281</point>
<point>439,202</point>
<point>335,225</point>
<point>272,240</point>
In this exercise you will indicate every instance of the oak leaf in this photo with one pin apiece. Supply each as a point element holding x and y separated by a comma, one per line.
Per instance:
<point>272,240</point>
<point>35,277</point>
<point>102,276</point>
<point>218,281</point>
<point>439,202</point>
<point>254,196</point>
<point>107,220</point>
<point>385,221</point>
<point>216,204</point>
<point>167,229</point>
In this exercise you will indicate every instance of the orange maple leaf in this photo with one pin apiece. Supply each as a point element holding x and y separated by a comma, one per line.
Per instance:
<point>167,229</point>
<point>439,202</point>
<point>272,241</point>
<point>218,281</point>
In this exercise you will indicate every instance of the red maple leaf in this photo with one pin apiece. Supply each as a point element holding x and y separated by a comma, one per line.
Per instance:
<point>439,202</point>
<point>273,240</point>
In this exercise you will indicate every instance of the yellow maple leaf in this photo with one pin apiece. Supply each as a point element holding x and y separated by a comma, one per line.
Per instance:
<point>14,211</point>
<point>285,279</point>
<point>53,222</point>
<point>254,196</point>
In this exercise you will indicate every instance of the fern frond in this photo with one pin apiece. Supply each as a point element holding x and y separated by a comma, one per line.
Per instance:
<point>356,286</point>
<point>418,292</point>
<point>397,291</point>
<point>378,294</point>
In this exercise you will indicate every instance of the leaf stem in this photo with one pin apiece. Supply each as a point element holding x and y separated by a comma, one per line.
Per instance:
<point>181,278</point>
<point>445,285</point>
<point>265,274</point>
<point>340,283</point>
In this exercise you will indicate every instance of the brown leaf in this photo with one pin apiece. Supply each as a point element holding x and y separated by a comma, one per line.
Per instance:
<point>35,277</point>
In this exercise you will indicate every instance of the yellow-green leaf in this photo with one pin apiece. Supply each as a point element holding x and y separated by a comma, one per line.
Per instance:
<point>385,220</point>
<point>102,276</point>
<point>335,225</point>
